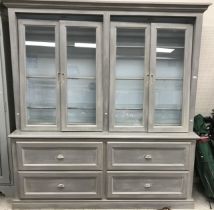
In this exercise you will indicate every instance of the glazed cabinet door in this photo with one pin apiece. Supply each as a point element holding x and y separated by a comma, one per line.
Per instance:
<point>129,61</point>
<point>4,115</point>
<point>170,71</point>
<point>81,63</point>
<point>39,69</point>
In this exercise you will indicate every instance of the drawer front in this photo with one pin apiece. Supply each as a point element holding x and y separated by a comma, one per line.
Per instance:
<point>155,185</point>
<point>60,185</point>
<point>148,155</point>
<point>59,155</point>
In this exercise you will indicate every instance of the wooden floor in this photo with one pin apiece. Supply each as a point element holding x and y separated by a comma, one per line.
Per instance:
<point>201,202</point>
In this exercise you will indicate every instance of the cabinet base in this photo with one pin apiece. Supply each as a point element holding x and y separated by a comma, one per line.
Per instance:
<point>8,191</point>
<point>104,204</point>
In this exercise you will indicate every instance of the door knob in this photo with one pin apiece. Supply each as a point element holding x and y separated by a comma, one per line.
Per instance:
<point>60,157</point>
<point>61,186</point>
<point>148,157</point>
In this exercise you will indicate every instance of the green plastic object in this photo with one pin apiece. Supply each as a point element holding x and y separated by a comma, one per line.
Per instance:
<point>204,157</point>
<point>205,167</point>
<point>200,126</point>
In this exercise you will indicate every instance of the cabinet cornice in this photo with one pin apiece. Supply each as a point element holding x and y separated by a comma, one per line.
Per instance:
<point>113,5</point>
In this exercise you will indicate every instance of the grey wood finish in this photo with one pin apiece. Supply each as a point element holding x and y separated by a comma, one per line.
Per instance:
<point>59,155</point>
<point>151,6</point>
<point>102,135</point>
<point>120,178</point>
<point>104,204</point>
<point>4,125</point>
<point>61,185</point>
<point>129,13</point>
<point>106,66</point>
<point>6,109</point>
<point>145,185</point>
<point>195,66</point>
<point>148,155</point>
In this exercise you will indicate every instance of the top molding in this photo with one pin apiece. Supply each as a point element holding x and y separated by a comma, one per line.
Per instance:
<point>111,5</point>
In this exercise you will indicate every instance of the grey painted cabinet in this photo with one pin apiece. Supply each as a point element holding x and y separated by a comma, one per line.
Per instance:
<point>104,99</point>
<point>6,109</point>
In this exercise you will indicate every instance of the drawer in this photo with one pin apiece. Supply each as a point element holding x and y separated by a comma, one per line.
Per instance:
<point>148,155</point>
<point>154,185</point>
<point>59,155</point>
<point>60,185</point>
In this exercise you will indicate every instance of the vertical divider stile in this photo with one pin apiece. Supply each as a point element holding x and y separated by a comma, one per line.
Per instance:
<point>153,43</point>
<point>63,61</point>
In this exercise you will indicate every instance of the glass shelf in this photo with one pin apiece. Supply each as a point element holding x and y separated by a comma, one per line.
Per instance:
<point>130,78</point>
<point>84,78</point>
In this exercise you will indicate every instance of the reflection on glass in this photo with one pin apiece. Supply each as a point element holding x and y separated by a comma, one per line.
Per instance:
<point>41,75</point>
<point>81,93</point>
<point>169,76</point>
<point>40,51</point>
<point>41,93</point>
<point>128,117</point>
<point>129,73</point>
<point>168,117</point>
<point>81,75</point>
<point>129,94</point>
<point>168,94</point>
<point>41,116</point>
<point>81,116</point>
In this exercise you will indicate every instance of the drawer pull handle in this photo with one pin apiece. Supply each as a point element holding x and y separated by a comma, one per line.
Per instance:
<point>148,157</point>
<point>61,186</point>
<point>60,157</point>
<point>147,185</point>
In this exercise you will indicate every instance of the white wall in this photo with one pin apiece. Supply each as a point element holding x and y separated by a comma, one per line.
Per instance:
<point>205,90</point>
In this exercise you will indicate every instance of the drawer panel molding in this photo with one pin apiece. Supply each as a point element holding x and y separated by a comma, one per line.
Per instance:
<point>60,185</point>
<point>59,155</point>
<point>147,185</point>
<point>148,155</point>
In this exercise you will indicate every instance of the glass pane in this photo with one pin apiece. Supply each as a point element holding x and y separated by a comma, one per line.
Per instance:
<point>41,116</point>
<point>41,101</point>
<point>168,94</point>
<point>81,93</point>
<point>128,117</point>
<point>129,72</point>
<point>40,51</point>
<point>81,52</point>
<point>81,116</point>
<point>169,76</point>
<point>130,53</point>
<point>129,94</point>
<point>81,75</point>
<point>41,93</point>
<point>168,117</point>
